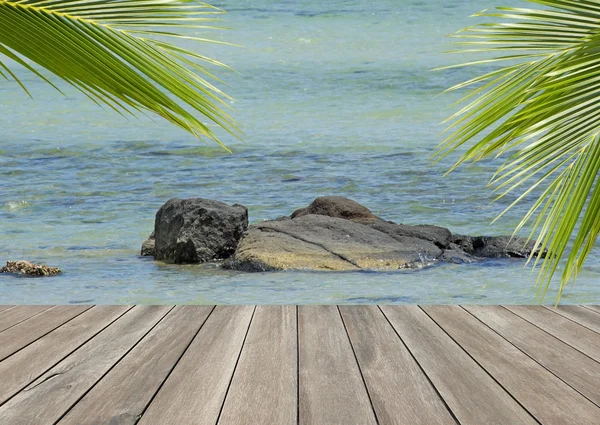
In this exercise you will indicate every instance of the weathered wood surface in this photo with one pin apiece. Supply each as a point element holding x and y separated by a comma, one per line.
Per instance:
<point>541,393</point>
<point>574,334</point>
<point>24,333</point>
<point>575,368</point>
<point>331,385</point>
<point>5,307</point>
<point>473,395</point>
<point>280,365</point>
<point>398,386</point>
<point>261,394</point>
<point>13,316</point>
<point>194,393</point>
<point>579,314</point>
<point>125,392</point>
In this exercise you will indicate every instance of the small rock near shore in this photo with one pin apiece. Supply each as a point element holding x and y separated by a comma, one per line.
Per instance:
<point>27,268</point>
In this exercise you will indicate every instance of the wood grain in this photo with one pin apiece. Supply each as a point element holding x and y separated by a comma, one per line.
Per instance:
<point>595,308</point>
<point>11,317</point>
<point>331,387</point>
<point>574,334</point>
<point>194,392</point>
<point>570,365</point>
<point>473,396</point>
<point>47,351</point>
<point>438,365</point>
<point>400,392</point>
<point>579,314</point>
<point>24,333</point>
<point>50,396</point>
<point>260,394</point>
<point>124,393</point>
<point>538,390</point>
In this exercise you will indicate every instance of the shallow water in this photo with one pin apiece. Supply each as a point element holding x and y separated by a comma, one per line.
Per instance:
<point>334,98</point>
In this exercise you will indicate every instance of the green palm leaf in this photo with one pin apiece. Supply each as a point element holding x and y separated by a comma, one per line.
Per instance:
<point>119,53</point>
<point>543,113</point>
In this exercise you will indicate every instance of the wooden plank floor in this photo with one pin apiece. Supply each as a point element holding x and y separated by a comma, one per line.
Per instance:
<point>224,365</point>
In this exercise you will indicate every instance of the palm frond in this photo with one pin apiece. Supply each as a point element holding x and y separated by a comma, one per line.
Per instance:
<point>543,112</point>
<point>113,51</point>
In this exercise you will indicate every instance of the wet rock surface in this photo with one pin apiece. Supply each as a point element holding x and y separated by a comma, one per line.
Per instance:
<point>27,268</point>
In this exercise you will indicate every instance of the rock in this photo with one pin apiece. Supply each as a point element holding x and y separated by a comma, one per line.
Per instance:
<point>262,249</point>
<point>318,242</point>
<point>148,246</point>
<point>454,254</point>
<point>332,233</point>
<point>440,236</point>
<point>337,206</point>
<point>198,230</point>
<point>495,246</point>
<point>23,267</point>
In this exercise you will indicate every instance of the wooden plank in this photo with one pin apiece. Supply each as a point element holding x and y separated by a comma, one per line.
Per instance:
<point>124,393</point>
<point>400,392</point>
<point>44,353</point>
<point>579,314</point>
<point>536,389</point>
<point>595,308</point>
<point>574,334</point>
<point>18,314</point>
<point>263,389</point>
<point>472,395</point>
<point>194,392</point>
<point>5,307</point>
<point>331,390</point>
<point>24,333</point>
<point>570,365</point>
<point>50,396</point>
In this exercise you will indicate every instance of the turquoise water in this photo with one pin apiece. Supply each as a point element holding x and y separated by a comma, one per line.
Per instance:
<point>334,98</point>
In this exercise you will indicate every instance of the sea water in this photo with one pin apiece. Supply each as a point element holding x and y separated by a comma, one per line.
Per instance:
<point>334,98</point>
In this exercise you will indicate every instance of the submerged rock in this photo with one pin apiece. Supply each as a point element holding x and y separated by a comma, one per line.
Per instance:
<point>198,230</point>
<point>27,268</point>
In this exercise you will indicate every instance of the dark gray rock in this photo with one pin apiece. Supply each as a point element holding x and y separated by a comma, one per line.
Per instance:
<point>318,242</point>
<point>454,254</point>
<point>198,230</point>
<point>337,206</point>
<point>440,236</point>
<point>495,246</point>
<point>148,247</point>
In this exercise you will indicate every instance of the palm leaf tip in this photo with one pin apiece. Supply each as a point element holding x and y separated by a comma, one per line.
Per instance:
<point>112,52</point>
<point>543,112</point>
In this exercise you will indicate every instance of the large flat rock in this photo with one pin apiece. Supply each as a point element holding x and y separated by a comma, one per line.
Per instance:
<point>318,242</point>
